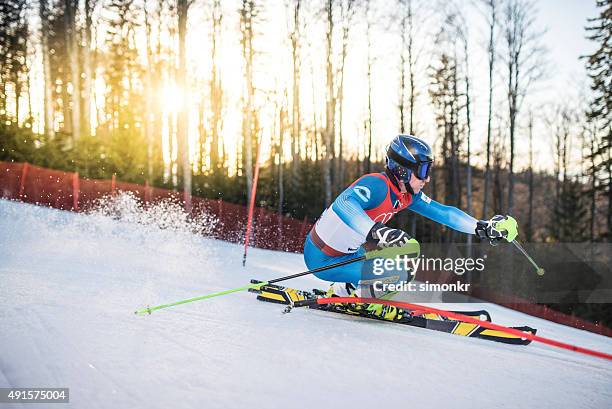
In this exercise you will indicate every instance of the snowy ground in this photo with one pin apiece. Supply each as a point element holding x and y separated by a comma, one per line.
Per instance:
<point>69,285</point>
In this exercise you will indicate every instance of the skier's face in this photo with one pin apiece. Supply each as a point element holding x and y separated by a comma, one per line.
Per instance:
<point>417,184</point>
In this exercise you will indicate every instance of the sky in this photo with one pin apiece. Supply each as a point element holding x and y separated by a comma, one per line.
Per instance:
<point>564,21</point>
<point>564,38</point>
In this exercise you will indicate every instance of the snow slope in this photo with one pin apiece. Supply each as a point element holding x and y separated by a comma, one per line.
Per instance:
<point>69,284</point>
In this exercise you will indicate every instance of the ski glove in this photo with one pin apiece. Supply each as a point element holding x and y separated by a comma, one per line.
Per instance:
<point>383,236</point>
<point>498,228</point>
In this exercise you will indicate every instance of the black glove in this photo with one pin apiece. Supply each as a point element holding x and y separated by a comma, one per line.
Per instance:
<point>493,229</point>
<point>383,236</point>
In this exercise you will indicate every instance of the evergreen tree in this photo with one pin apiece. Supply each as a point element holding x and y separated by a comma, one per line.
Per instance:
<point>570,216</point>
<point>599,68</point>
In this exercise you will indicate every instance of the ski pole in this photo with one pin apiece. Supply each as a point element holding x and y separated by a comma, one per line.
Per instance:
<point>539,270</point>
<point>412,249</point>
<point>149,310</point>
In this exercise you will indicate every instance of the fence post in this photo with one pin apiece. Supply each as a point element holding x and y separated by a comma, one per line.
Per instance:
<point>279,221</point>
<point>75,191</point>
<point>113,184</point>
<point>259,223</point>
<point>24,174</point>
<point>187,202</point>
<point>303,229</point>
<point>220,223</point>
<point>146,192</point>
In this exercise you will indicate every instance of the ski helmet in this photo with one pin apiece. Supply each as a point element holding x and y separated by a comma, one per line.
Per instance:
<point>407,154</point>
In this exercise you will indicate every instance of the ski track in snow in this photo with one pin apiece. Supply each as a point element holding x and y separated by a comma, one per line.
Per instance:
<point>69,284</point>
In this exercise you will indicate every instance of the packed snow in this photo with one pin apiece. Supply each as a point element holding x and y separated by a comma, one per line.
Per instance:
<point>70,283</point>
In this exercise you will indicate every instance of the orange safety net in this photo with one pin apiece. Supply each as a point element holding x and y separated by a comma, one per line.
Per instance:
<point>66,191</point>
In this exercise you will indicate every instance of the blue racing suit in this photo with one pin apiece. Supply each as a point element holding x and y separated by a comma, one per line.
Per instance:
<point>343,227</point>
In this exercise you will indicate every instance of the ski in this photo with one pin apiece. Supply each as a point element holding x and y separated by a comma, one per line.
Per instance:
<point>286,295</point>
<point>289,296</point>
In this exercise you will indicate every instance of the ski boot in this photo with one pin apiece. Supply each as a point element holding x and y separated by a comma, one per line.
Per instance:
<point>387,312</point>
<point>340,290</point>
<point>345,290</point>
<point>379,311</point>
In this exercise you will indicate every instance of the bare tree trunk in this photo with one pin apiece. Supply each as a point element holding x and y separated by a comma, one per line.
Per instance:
<point>402,89</point>
<point>369,74</point>
<point>94,94</point>
<point>3,100</point>
<point>469,132</point>
<point>340,170</point>
<point>609,162</point>
<point>512,114</point>
<point>593,177</point>
<point>405,22</point>
<point>491,53</point>
<point>345,14</point>
<point>18,87</point>
<point>158,132</point>
<point>202,139</point>
<point>149,115</point>
<point>330,108</point>
<point>216,91</point>
<point>87,67</point>
<point>184,170</point>
<point>295,112</point>
<point>30,118</point>
<point>75,71</point>
<point>281,183</point>
<point>557,172</point>
<point>66,112</point>
<point>407,85</point>
<point>530,214</point>
<point>48,86</point>
<point>315,126</point>
<point>498,195</point>
<point>511,40</point>
<point>408,47</point>
<point>454,125</point>
<point>347,10</point>
<point>247,13</point>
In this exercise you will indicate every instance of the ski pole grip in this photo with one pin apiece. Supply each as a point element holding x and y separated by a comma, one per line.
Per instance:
<point>411,249</point>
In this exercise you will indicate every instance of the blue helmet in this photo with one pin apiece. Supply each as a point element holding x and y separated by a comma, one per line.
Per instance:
<point>407,154</point>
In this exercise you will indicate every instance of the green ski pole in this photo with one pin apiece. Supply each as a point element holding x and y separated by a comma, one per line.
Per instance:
<point>411,249</point>
<point>539,270</point>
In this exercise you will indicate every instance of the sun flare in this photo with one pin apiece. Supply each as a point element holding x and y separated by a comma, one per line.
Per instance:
<point>171,98</point>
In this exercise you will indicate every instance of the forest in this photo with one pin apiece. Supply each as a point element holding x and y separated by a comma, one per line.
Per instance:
<point>191,94</point>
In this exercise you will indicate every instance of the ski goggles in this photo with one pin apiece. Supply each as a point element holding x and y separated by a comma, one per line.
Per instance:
<point>421,170</point>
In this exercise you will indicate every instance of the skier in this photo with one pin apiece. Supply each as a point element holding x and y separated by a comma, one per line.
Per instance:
<point>356,221</point>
